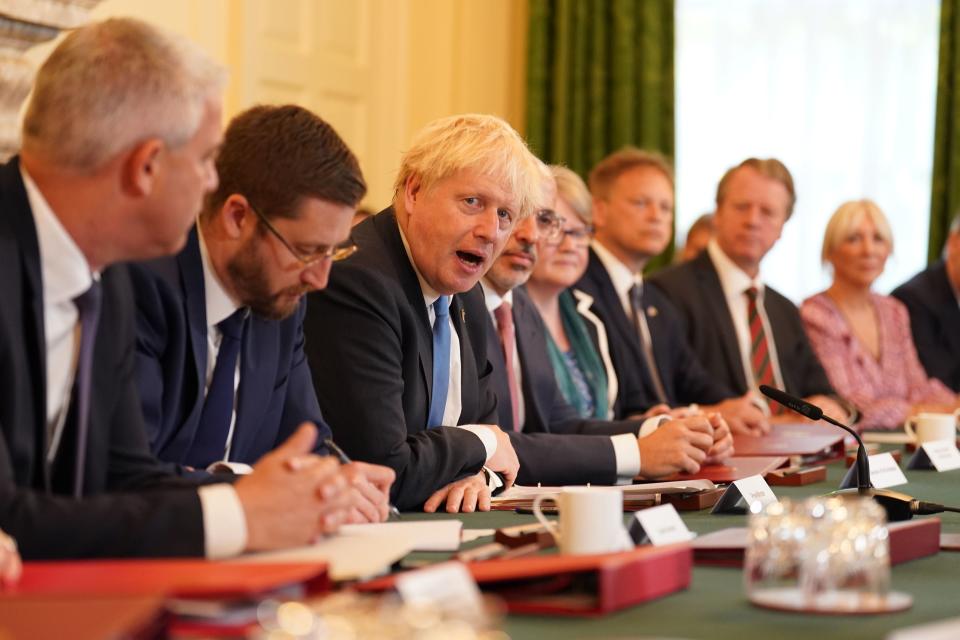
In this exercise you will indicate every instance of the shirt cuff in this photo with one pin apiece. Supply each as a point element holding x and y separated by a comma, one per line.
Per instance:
<point>224,522</point>
<point>627,454</point>
<point>486,436</point>
<point>652,424</point>
<point>236,468</point>
<point>493,480</point>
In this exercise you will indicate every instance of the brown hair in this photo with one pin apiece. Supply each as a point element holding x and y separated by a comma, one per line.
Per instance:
<point>606,172</point>
<point>277,155</point>
<point>768,168</point>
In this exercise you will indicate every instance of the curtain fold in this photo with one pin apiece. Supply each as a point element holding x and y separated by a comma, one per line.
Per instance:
<point>945,193</point>
<point>599,77</point>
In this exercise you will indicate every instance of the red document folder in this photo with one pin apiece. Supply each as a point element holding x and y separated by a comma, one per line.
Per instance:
<point>794,439</point>
<point>82,617</point>
<point>908,541</point>
<point>180,578</point>
<point>579,585</point>
<point>736,468</point>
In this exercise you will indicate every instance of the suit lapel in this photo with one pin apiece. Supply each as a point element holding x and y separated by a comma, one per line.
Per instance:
<point>25,232</point>
<point>608,298</point>
<point>712,292</point>
<point>386,226</point>
<point>195,307</point>
<point>528,335</point>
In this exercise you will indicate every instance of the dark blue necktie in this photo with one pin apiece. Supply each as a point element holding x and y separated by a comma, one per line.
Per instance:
<point>88,310</point>
<point>441,361</point>
<point>210,442</point>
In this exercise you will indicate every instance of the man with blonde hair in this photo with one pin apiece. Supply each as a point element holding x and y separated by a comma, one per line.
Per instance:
<point>118,146</point>
<point>743,331</point>
<point>397,341</point>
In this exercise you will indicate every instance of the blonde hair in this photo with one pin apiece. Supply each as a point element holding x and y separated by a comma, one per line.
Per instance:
<point>112,84</point>
<point>606,172</point>
<point>768,168</point>
<point>574,192</point>
<point>846,218</point>
<point>483,143</point>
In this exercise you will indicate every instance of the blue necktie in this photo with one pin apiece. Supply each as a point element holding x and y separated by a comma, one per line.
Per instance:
<point>88,310</point>
<point>441,361</point>
<point>210,442</point>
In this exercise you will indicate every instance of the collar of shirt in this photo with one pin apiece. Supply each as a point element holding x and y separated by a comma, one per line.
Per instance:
<point>494,299</point>
<point>621,275</point>
<point>219,304</point>
<point>64,270</point>
<point>430,295</point>
<point>733,279</point>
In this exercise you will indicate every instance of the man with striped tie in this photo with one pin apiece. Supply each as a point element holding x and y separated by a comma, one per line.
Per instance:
<point>744,332</point>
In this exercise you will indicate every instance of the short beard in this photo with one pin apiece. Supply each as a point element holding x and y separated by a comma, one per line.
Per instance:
<point>248,274</point>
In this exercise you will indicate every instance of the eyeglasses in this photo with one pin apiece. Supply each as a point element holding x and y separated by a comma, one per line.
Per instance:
<point>549,226</point>
<point>335,253</point>
<point>581,237</point>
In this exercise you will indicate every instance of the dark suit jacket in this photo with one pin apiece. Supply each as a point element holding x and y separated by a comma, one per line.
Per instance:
<point>935,322</point>
<point>684,379</point>
<point>275,392</point>
<point>122,512</point>
<point>556,445</point>
<point>370,347</point>
<point>695,290</point>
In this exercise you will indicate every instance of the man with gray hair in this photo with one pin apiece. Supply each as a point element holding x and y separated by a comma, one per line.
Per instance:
<point>397,341</point>
<point>933,300</point>
<point>118,148</point>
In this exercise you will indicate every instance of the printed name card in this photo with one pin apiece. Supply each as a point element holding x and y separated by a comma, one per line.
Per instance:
<point>658,526</point>
<point>885,472</point>
<point>747,494</point>
<point>447,586</point>
<point>941,455</point>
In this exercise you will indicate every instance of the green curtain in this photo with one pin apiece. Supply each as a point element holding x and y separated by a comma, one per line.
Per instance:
<point>945,196</point>
<point>599,77</point>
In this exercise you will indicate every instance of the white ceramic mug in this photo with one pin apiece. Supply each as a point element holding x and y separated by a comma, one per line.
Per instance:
<point>929,427</point>
<point>591,519</point>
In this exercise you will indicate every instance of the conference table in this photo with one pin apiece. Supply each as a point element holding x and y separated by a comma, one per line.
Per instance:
<point>715,607</point>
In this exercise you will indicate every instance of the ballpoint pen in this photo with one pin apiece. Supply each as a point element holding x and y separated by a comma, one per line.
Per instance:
<point>345,459</point>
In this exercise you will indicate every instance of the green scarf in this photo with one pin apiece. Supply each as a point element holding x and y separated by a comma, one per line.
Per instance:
<point>587,357</point>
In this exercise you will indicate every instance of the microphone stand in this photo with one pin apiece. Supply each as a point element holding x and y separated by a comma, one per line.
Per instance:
<point>898,506</point>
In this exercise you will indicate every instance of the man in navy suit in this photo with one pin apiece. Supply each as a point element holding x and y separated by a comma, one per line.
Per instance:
<point>529,400</point>
<point>933,299</point>
<point>118,145</point>
<point>288,190</point>
<point>633,215</point>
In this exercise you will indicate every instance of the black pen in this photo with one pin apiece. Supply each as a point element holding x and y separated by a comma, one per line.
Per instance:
<point>345,459</point>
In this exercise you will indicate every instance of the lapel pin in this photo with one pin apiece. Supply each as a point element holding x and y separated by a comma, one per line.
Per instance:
<point>652,311</point>
<point>463,316</point>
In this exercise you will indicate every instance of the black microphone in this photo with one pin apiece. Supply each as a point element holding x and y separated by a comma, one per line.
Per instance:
<point>898,506</point>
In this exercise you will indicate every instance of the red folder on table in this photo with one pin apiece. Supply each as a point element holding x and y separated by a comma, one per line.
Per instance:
<point>82,617</point>
<point>180,578</point>
<point>908,541</point>
<point>736,468</point>
<point>579,585</point>
<point>810,439</point>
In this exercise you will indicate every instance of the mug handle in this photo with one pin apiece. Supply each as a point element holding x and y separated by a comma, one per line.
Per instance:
<point>909,428</point>
<point>547,524</point>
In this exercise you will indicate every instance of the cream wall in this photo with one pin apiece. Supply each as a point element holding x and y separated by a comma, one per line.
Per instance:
<point>378,70</point>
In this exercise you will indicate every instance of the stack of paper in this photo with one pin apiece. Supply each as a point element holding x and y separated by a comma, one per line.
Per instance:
<point>634,496</point>
<point>365,550</point>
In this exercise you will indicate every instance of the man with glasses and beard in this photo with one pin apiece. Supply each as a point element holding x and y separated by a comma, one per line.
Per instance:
<point>220,364</point>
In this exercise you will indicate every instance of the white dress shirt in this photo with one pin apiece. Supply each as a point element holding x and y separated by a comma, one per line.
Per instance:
<point>219,306</point>
<point>454,406</point>
<point>66,274</point>
<point>735,283</point>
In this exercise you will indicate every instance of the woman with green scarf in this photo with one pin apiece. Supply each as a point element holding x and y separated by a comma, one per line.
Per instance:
<point>576,340</point>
